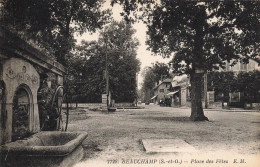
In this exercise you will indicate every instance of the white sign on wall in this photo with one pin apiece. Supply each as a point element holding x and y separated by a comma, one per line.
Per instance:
<point>104,98</point>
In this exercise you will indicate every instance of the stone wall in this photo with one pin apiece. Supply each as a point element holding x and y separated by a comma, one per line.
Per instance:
<point>96,105</point>
<point>124,104</point>
<point>215,105</point>
<point>84,105</point>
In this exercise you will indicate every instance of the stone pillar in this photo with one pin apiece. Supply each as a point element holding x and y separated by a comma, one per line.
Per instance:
<point>35,123</point>
<point>183,96</point>
<point>8,123</point>
<point>211,99</point>
<point>60,80</point>
<point>18,74</point>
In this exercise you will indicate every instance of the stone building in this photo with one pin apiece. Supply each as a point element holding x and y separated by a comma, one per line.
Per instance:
<point>24,69</point>
<point>252,65</point>
<point>180,91</point>
<point>161,90</point>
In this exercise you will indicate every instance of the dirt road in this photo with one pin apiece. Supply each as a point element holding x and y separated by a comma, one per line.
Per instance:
<point>228,139</point>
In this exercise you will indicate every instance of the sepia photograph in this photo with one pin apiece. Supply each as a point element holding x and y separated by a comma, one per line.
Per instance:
<point>126,83</point>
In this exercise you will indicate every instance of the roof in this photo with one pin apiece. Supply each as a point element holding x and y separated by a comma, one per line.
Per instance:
<point>167,80</point>
<point>172,93</point>
<point>154,97</point>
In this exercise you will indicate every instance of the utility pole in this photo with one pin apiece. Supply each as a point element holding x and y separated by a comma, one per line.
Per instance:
<point>107,75</point>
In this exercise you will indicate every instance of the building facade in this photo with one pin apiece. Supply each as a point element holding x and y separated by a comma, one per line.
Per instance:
<point>161,90</point>
<point>177,90</point>
<point>24,70</point>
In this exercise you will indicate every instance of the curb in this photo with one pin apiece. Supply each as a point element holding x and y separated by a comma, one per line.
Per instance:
<point>224,110</point>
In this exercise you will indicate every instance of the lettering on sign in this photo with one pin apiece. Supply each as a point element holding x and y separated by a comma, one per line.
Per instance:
<point>21,76</point>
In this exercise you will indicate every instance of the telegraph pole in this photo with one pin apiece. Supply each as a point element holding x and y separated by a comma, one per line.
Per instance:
<point>107,76</point>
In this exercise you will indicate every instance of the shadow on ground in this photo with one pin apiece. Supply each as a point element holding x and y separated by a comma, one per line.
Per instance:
<point>91,149</point>
<point>182,119</point>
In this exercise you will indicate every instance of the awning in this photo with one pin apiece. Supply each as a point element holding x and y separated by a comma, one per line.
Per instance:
<point>153,97</point>
<point>175,85</point>
<point>172,93</point>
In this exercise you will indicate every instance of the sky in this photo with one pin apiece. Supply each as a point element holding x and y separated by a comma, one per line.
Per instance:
<point>146,58</point>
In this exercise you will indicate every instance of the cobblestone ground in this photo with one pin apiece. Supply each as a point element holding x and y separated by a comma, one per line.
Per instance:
<point>114,138</point>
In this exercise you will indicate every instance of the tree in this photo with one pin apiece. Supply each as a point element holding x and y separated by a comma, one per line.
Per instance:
<point>201,35</point>
<point>148,84</point>
<point>86,70</point>
<point>152,75</point>
<point>123,65</point>
<point>222,83</point>
<point>89,59</point>
<point>161,71</point>
<point>248,83</point>
<point>54,23</point>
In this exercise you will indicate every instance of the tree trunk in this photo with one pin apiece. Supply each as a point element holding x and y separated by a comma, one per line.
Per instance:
<point>198,66</point>
<point>197,113</point>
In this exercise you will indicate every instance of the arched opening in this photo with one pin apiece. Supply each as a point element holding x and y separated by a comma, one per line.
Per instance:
<point>21,113</point>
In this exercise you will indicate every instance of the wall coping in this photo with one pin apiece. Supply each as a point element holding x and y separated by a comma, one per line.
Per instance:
<point>15,46</point>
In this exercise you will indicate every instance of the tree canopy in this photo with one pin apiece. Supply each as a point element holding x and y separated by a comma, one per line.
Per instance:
<point>158,71</point>
<point>54,23</point>
<point>247,83</point>
<point>123,65</point>
<point>204,34</point>
<point>89,59</point>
